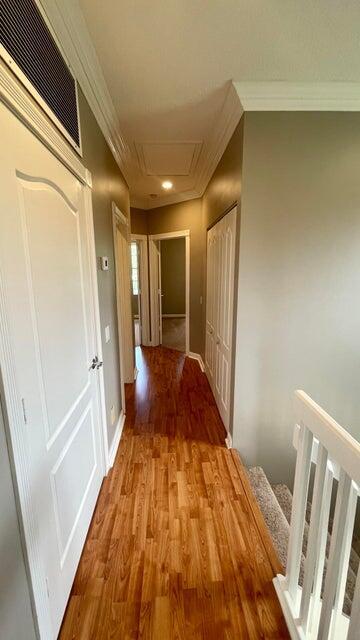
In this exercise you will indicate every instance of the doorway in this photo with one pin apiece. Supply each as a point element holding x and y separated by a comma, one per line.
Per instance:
<point>139,275</point>
<point>123,297</point>
<point>169,286</point>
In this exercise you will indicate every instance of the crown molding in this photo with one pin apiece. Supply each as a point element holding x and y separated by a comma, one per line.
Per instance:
<point>69,26</point>
<point>298,96</point>
<point>211,154</point>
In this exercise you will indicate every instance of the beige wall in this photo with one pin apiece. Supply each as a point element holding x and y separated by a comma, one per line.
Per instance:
<point>299,311</point>
<point>139,221</point>
<point>224,188</point>
<point>108,185</point>
<point>173,276</point>
<point>177,217</point>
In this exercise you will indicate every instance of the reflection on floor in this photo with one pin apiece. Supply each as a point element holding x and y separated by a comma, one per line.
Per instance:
<point>137,332</point>
<point>173,333</point>
<point>174,550</point>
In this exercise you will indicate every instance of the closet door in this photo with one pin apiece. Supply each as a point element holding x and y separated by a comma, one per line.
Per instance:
<point>210,306</point>
<point>220,308</point>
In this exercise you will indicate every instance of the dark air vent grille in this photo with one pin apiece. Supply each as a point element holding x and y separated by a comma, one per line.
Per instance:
<point>27,39</point>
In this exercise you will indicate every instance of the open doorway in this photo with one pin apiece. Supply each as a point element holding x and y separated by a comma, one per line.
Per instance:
<point>173,293</point>
<point>139,274</point>
<point>135,291</point>
<point>169,289</point>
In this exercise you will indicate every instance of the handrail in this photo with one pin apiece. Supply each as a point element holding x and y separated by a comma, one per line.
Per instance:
<point>310,613</point>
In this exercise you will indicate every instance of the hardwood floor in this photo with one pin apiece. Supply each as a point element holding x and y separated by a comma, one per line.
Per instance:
<point>177,549</point>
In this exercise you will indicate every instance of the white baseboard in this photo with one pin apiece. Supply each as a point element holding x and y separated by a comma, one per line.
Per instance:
<point>228,441</point>
<point>116,440</point>
<point>197,356</point>
<point>173,315</point>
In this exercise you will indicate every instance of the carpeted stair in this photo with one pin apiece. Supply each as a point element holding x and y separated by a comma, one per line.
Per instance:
<point>275,503</point>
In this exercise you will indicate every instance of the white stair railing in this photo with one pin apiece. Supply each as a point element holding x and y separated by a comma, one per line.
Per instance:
<point>315,610</point>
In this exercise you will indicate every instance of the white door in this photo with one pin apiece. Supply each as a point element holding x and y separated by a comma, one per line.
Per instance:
<point>155,292</point>
<point>45,269</point>
<point>210,304</point>
<point>125,317</point>
<point>219,314</point>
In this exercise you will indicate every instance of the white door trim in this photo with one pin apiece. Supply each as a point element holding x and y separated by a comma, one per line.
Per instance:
<point>144,287</point>
<point>19,101</point>
<point>119,218</point>
<point>19,450</point>
<point>167,236</point>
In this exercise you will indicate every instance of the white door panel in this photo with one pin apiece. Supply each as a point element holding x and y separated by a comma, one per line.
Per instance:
<point>219,310</point>
<point>45,268</point>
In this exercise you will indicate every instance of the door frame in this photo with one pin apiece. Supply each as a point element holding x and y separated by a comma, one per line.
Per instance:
<point>18,101</point>
<point>154,292</point>
<point>118,217</point>
<point>144,287</point>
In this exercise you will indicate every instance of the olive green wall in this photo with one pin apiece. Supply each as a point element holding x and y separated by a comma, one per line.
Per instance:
<point>299,311</point>
<point>224,188</point>
<point>108,185</point>
<point>139,221</point>
<point>173,276</point>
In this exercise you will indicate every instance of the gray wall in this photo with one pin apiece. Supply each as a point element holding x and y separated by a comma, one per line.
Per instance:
<point>16,621</point>
<point>173,276</point>
<point>108,185</point>
<point>299,283</point>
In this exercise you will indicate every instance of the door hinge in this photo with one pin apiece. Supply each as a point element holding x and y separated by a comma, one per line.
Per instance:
<point>24,410</point>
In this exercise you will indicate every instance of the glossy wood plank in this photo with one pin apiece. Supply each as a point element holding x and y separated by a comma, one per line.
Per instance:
<point>177,547</point>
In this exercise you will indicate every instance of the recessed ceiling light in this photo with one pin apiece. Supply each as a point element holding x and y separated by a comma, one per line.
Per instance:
<point>167,185</point>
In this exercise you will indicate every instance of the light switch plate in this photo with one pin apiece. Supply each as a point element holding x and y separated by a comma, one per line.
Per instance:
<point>107,333</point>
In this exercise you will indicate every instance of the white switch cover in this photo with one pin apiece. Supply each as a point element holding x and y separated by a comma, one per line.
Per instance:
<point>104,261</point>
<point>112,414</point>
<point>107,333</point>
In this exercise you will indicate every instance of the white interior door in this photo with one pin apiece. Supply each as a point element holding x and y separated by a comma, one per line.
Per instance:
<point>219,310</point>
<point>155,292</point>
<point>125,318</point>
<point>45,269</point>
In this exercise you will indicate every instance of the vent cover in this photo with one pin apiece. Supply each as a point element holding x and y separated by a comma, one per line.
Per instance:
<point>30,50</point>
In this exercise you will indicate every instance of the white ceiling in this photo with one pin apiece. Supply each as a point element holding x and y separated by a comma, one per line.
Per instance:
<point>168,66</point>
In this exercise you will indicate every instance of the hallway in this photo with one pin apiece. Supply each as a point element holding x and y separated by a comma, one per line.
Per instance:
<point>176,548</point>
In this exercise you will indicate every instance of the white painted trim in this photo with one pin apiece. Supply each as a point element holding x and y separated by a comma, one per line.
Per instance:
<point>298,96</point>
<point>173,315</point>
<point>120,215</point>
<point>119,218</point>
<point>98,331</point>
<point>197,356</point>
<point>116,439</point>
<point>228,440</point>
<point>168,236</point>
<point>136,371</point>
<point>70,29</point>
<point>210,155</point>
<point>18,100</point>
<point>144,287</point>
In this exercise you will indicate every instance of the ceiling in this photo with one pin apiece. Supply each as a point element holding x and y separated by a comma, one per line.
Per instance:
<point>168,66</point>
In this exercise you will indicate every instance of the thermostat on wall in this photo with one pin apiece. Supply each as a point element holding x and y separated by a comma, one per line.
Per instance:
<point>104,261</point>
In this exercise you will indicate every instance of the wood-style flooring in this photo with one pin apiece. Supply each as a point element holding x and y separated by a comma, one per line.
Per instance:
<point>177,548</point>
